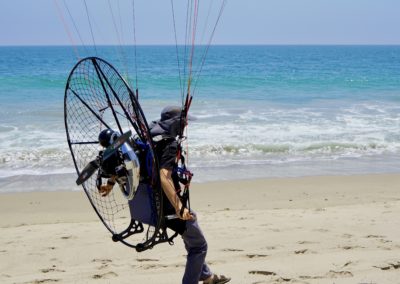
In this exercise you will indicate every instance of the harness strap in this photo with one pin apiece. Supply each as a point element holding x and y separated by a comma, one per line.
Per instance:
<point>171,239</point>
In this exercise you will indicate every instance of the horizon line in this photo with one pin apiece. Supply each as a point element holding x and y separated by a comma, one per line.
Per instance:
<point>218,44</point>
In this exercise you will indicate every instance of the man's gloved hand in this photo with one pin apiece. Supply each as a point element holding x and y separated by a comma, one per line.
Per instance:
<point>105,189</point>
<point>185,215</point>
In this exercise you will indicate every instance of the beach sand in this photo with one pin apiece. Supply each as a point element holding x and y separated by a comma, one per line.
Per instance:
<point>331,229</point>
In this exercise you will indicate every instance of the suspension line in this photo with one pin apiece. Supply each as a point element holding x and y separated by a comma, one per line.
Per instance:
<point>67,29</point>
<point>90,25</point>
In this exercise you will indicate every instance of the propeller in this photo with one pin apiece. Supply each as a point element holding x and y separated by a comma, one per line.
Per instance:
<point>91,168</point>
<point>88,171</point>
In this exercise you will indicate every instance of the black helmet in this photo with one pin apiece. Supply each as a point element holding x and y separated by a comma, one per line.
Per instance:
<point>107,137</point>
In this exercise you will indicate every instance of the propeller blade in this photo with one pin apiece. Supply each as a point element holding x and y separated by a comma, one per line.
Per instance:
<point>88,171</point>
<point>118,143</point>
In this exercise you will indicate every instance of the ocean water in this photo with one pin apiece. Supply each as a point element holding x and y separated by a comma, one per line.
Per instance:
<point>262,111</point>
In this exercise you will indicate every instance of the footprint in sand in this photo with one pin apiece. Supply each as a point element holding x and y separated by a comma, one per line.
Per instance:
<point>67,237</point>
<point>104,263</point>
<point>153,266</point>
<point>306,242</point>
<point>281,279</point>
<point>347,264</point>
<point>49,280</point>
<point>262,272</point>
<point>47,270</point>
<point>389,266</point>
<point>307,277</point>
<point>375,237</point>
<point>105,275</point>
<point>278,279</point>
<point>330,274</point>
<point>232,249</point>
<point>351,247</point>
<point>338,274</point>
<point>256,255</point>
<point>302,251</point>
<point>146,259</point>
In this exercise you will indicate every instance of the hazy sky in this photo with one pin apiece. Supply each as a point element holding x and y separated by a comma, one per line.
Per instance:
<point>37,22</point>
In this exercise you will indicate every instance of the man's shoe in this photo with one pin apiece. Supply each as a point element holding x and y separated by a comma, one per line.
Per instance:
<point>217,279</point>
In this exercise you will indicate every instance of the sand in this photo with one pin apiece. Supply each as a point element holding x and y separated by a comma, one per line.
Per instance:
<point>333,229</point>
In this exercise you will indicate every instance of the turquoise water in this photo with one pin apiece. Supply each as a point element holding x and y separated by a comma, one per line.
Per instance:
<point>262,111</point>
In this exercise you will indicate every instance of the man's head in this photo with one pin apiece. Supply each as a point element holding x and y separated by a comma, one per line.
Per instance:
<point>170,112</point>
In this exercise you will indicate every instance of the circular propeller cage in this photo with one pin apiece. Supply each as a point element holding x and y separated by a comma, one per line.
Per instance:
<point>96,98</point>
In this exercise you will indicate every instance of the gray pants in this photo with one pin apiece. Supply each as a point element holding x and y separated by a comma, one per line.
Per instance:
<point>196,246</point>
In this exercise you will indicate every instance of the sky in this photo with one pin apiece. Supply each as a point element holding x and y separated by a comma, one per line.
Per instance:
<point>39,22</point>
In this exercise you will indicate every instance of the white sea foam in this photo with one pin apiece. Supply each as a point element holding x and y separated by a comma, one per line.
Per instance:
<point>234,134</point>
<point>275,134</point>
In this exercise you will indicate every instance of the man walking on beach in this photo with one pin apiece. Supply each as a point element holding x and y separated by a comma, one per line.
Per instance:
<point>164,132</point>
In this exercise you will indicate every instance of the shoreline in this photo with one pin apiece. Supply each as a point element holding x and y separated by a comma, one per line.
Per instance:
<point>34,207</point>
<point>321,229</point>
<point>59,182</point>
